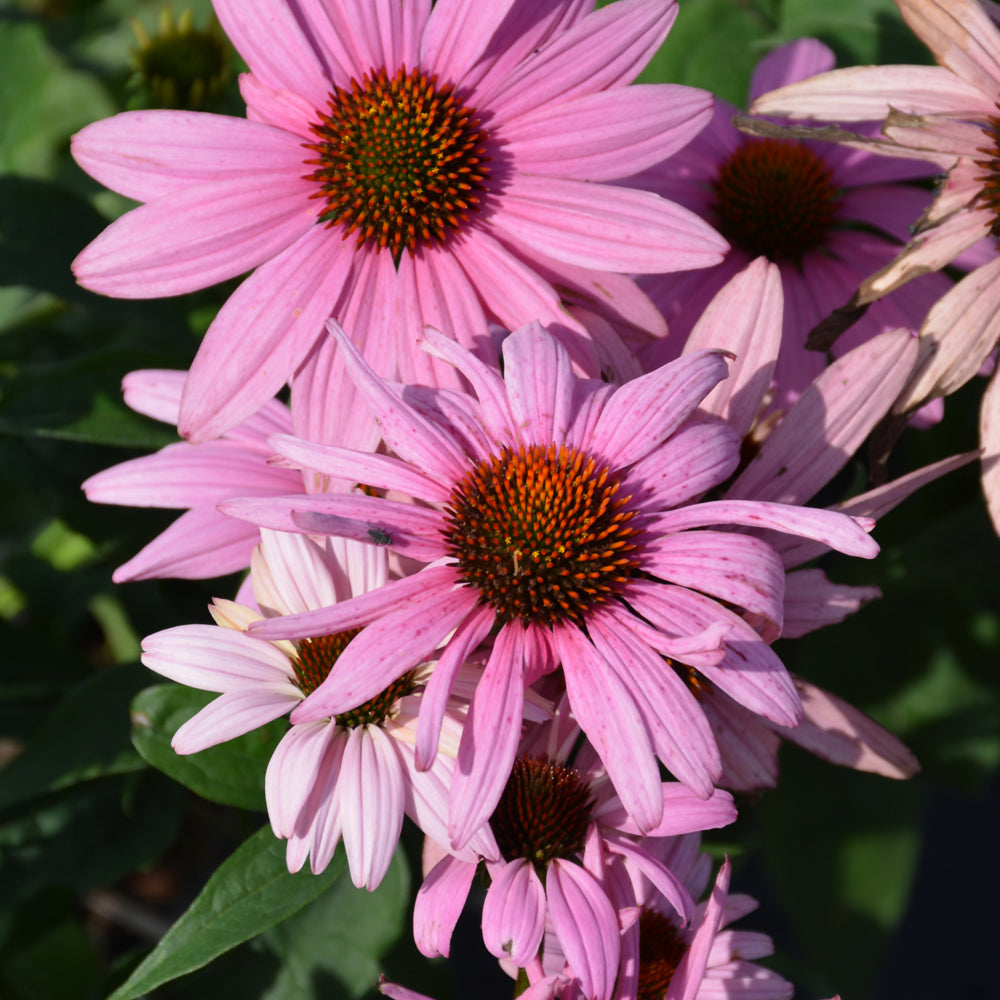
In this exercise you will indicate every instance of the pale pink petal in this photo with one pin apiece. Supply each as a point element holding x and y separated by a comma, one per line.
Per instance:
<point>610,134</point>
<point>840,733</point>
<point>147,154</point>
<point>448,302</point>
<point>269,37</point>
<point>439,904</point>
<point>812,601</point>
<point>829,422</point>
<point>514,913</point>
<point>872,504</point>
<point>217,659</point>
<point>262,333</point>
<point>866,93</point>
<point>228,227</point>
<point>183,475</point>
<point>317,832</point>
<point>154,392</point>
<point>232,714</point>
<point>962,37</point>
<point>957,337</point>
<point>587,926</point>
<point>291,574</point>
<point>647,410</point>
<point>608,714</point>
<point>292,772</point>
<point>609,228</point>
<point>745,319</point>
<point>747,744</point>
<point>371,793</point>
<point>490,737</point>
<point>603,51</point>
<point>280,108</point>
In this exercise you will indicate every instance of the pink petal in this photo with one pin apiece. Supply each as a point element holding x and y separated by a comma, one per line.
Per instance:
<point>147,154</point>
<point>586,925</point>
<point>829,422</point>
<point>197,236</point>
<point>457,33</point>
<point>154,392</point>
<point>745,319</point>
<point>688,977</point>
<point>387,649</point>
<point>262,333</point>
<point>989,438</point>
<point>683,812</point>
<point>664,880</point>
<point>269,37</point>
<point>608,228</point>
<point>232,714</point>
<point>790,63</point>
<point>439,904</point>
<point>603,51</point>
<point>490,737</point>
<point>838,532</point>
<point>371,794</point>
<point>648,410</point>
<point>608,714</point>
<point>610,134</point>
<point>838,732</point>
<point>738,570</point>
<point>201,543</point>
<point>812,601</point>
<point>539,379</point>
<point>514,913</point>
<point>216,659</point>
<point>866,93</point>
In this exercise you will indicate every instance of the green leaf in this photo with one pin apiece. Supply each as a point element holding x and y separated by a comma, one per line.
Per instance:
<point>85,737</point>
<point>250,893</point>
<point>232,773</point>
<point>340,936</point>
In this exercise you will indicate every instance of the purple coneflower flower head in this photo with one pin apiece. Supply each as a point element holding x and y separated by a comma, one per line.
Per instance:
<point>559,515</point>
<point>348,777</point>
<point>558,829</point>
<point>826,215</point>
<point>400,164</point>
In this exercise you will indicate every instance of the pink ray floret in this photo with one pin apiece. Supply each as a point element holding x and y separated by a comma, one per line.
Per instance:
<point>559,516</point>
<point>400,165</point>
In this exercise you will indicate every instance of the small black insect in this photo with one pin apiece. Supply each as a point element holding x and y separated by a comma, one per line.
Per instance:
<point>379,536</point>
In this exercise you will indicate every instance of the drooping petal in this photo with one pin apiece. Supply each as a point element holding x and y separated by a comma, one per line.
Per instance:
<point>292,772</point>
<point>688,977</point>
<point>514,913</point>
<point>439,904</point>
<point>232,714</point>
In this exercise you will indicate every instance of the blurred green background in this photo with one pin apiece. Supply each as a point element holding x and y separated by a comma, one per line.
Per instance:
<point>871,888</point>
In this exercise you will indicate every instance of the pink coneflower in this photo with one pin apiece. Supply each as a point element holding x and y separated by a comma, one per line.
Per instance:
<point>826,215</point>
<point>558,827</point>
<point>201,542</point>
<point>401,165</point>
<point>558,513</point>
<point>948,113</point>
<point>347,777</point>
